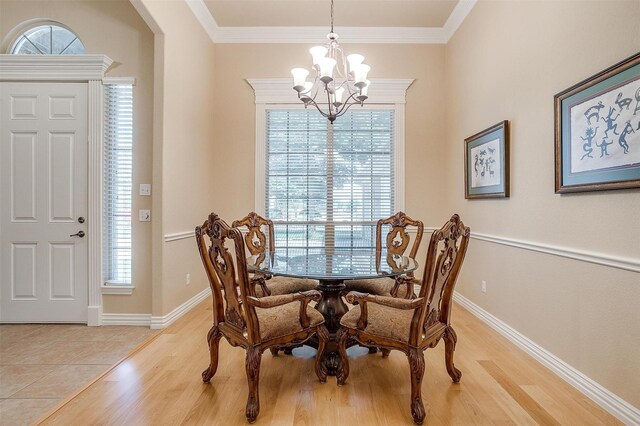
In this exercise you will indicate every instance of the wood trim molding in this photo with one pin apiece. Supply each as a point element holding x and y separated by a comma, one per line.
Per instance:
<point>117,289</point>
<point>386,35</point>
<point>140,320</point>
<point>603,259</point>
<point>53,67</point>
<point>615,405</point>
<point>158,322</point>
<point>178,236</point>
<point>95,194</point>
<point>280,91</point>
<point>624,263</point>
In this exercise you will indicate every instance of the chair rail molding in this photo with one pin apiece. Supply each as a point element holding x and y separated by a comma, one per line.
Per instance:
<point>401,35</point>
<point>177,236</point>
<point>618,262</point>
<point>609,401</point>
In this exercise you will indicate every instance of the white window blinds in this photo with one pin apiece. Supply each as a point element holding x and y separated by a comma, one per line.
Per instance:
<point>326,186</point>
<point>118,164</point>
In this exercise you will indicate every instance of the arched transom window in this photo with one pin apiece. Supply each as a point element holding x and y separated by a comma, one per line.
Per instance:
<point>48,39</point>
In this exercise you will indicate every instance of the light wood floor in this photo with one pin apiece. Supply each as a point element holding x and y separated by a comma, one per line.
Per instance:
<point>160,384</point>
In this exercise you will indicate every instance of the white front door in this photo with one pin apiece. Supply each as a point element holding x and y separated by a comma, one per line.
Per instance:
<point>43,188</point>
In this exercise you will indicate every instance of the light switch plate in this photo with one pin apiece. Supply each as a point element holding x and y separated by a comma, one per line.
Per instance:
<point>145,189</point>
<point>144,215</point>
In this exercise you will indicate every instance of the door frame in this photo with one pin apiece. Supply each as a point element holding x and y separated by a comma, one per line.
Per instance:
<point>88,69</point>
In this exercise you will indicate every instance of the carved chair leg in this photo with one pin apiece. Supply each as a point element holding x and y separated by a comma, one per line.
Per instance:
<point>450,340</point>
<point>321,369</point>
<point>274,350</point>
<point>385,352</point>
<point>341,339</point>
<point>213,339</point>
<point>252,365</point>
<point>416,367</point>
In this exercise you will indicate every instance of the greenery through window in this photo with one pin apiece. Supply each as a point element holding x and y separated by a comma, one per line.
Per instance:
<point>327,185</point>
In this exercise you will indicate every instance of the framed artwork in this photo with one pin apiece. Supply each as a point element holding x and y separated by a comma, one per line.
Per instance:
<point>486,163</point>
<point>597,131</point>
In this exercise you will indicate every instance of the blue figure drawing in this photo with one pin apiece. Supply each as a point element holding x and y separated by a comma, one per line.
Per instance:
<point>637,108</point>
<point>603,147</point>
<point>622,140</point>
<point>590,135</point>
<point>610,122</point>
<point>622,102</point>
<point>593,112</point>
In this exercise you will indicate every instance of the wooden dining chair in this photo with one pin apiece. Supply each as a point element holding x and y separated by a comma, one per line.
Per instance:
<point>412,326</point>
<point>259,243</point>
<point>396,243</point>
<point>253,323</point>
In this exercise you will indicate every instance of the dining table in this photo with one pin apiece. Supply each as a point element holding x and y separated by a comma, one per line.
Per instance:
<point>331,267</point>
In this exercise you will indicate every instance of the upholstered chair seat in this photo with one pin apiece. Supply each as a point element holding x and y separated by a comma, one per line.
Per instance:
<point>283,320</point>
<point>383,321</point>
<point>286,285</point>
<point>382,287</point>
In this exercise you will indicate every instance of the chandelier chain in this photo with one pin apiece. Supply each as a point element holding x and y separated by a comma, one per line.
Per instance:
<point>331,15</point>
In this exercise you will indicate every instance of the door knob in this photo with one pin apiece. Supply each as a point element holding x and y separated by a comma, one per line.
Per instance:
<point>81,219</point>
<point>78,234</point>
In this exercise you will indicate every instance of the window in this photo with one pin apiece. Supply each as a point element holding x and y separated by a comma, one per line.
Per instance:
<point>327,185</point>
<point>49,39</point>
<point>118,164</point>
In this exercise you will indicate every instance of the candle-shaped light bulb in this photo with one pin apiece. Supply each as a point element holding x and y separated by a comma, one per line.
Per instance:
<point>360,75</point>
<point>326,69</point>
<point>354,61</point>
<point>317,53</point>
<point>299,76</point>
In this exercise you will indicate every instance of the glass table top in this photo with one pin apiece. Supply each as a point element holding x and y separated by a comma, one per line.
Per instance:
<point>336,264</point>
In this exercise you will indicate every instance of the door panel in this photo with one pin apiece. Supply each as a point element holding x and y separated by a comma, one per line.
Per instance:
<point>43,188</point>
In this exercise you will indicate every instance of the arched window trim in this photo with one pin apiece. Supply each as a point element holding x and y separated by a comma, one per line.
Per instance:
<point>22,32</point>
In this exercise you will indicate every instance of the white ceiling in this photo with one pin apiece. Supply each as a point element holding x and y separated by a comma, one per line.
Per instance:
<point>347,13</point>
<point>308,21</point>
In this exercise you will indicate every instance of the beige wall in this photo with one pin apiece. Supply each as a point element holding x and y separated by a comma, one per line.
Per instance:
<point>506,62</point>
<point>113,28</point>
<point>183,148</point>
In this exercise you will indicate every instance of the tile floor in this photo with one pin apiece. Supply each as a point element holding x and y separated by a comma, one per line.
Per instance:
<point>42,364</point>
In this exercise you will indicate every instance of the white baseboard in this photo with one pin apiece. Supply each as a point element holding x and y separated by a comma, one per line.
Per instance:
<point>615,405</point>
<point>127,319</point>
<point>94,316</point>
<point>155,322</point>
<point>158,322</point>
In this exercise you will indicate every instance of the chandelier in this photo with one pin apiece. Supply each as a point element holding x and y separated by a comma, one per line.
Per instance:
<point>332,78</point>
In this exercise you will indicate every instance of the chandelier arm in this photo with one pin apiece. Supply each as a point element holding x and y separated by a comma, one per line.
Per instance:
<point>312,102</point>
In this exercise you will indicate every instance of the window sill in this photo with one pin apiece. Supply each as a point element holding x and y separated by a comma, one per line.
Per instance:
<point>117,289</point>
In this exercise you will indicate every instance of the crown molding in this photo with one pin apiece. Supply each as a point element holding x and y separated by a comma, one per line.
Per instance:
<point>53,67</point>
<point>373,35</point>
<point>280,91</point>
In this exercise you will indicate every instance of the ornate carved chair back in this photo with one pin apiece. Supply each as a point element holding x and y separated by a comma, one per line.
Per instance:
<point>447,248</point>
<point>397,239</point>
<point>256,240</point>
<point>218,307</point>
<point>230,277</point>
